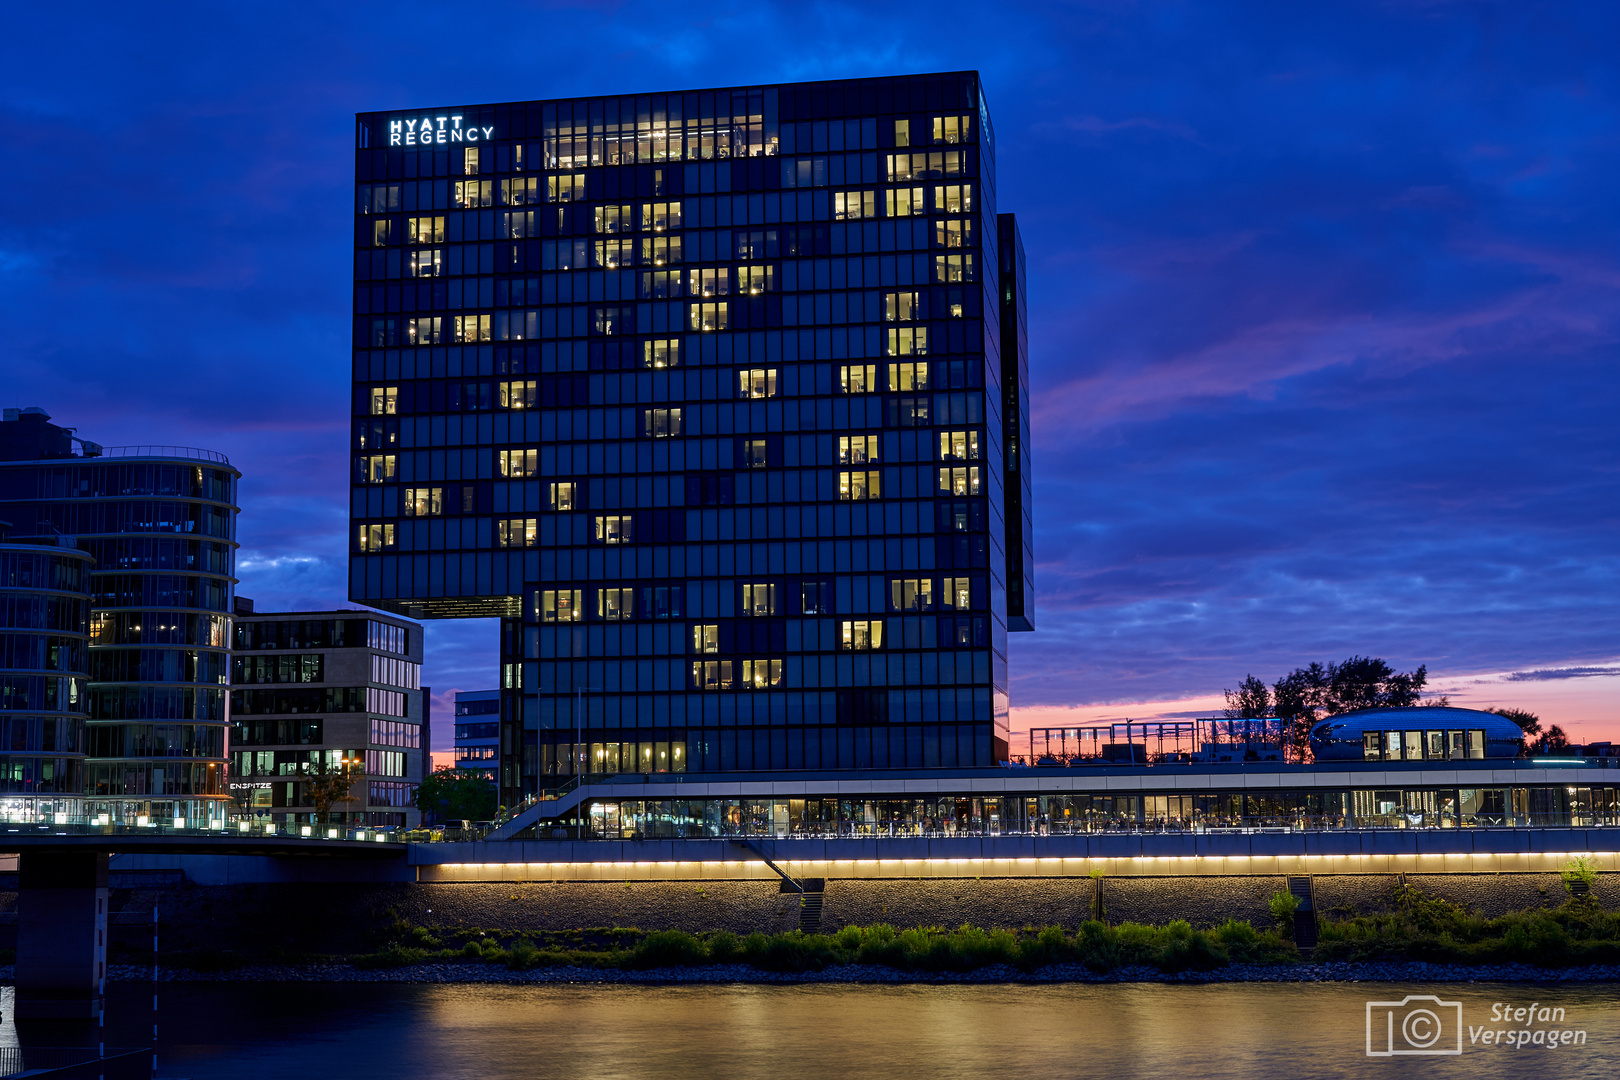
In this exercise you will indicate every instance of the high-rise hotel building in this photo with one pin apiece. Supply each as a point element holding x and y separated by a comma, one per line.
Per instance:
<point>717,400</point>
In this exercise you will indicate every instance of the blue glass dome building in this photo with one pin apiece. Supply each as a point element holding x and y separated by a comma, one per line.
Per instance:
<point>1419,733</point>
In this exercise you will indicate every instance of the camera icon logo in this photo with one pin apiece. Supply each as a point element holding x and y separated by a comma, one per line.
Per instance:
<point>1418,1024</point>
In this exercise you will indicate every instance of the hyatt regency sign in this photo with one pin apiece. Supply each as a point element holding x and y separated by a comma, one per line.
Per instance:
<point>432,130</point>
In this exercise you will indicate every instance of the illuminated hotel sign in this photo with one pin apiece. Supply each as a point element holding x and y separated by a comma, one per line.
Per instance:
<point>432,130</point>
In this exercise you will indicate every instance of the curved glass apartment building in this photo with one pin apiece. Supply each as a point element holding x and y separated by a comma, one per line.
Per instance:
<point>716,398</point>
<point>160,523</point>
<point>44,671</point>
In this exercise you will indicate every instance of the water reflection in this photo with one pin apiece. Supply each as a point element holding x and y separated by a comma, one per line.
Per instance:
<point>843,1032</point>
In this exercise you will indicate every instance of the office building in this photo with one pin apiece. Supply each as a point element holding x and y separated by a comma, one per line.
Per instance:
<point>717,399</point>
<point>44,671</point>
<point>326,717</point>
<point>160,524</point>
<point>478,730</point>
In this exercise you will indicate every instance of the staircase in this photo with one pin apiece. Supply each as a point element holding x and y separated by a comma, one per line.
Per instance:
<point>810,906</point>
<point>1305,914</point>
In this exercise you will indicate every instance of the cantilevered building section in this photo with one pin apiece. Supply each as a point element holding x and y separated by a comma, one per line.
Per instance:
<point>707,396</point>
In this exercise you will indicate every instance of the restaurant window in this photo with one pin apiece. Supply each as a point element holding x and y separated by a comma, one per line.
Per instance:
<point>559,605</point>
<point>756,383</point>
<point>661,353</point>
<point>612,528</point>
<point>857,378</point>
<point>857,449</point>
<point>758,598</point>
<point>861,635</point>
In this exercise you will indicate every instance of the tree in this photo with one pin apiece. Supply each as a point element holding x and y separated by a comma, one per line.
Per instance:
<point>1250,701</point>
<point>1308,694</point>
<point>1528,722</point>
<point>328,785</point>
<point>1553,741</point>
<point>450,794</point>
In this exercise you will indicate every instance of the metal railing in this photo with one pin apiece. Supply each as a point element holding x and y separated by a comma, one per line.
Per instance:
<point>189,452</point>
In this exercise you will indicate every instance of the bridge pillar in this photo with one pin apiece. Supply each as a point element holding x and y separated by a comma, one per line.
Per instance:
<point>61,934</point>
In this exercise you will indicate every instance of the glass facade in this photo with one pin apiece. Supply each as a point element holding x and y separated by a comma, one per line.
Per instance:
<point>478,731</point>
<point>44,675</point>
<point>326,718</point>
<point>712,397</point>
<point>160,524</point>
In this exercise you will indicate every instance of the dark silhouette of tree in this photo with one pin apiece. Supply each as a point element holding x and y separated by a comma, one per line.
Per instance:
<point>1250,701</point>
<point>1309,694</point>
<point>1553,741</point>
<point>1529,722</point>
<point>454,795</point>
<point>328,785</point>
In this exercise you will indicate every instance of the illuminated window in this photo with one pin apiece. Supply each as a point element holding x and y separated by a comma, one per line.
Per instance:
<point>901,307</point>
<point>711,674</point>
<point>857,449</point>
<point>613,528</point>
<point>560,496</point>
<point>518,463</point>
<point>755,453</point>
<point>953,269</point>
<point>376,469</point>
<point>859,486</point>
<point>661,423</point>
<point>861,635</point>
<point>661,251</point>
<point>904,202</point>
<point>756,383</point>
<point>471,328</point>
<point>520,190</point>
<point>709,317</point>
<point>858,378</point>
<point>756,280</point>
<point>959,446</point>
<point>429,262</point>
<point>954,198</point>
<point>952,129</point>
<point>469,160</point>
<point>470,194</point>
<point>956,593</point>
<point>376,537</point>
<point>759,674</point>
<point>559,605</point>
<point>661,353</point>
<point>613,219</point>
<point>662,284</point>
<point>423,501</point>
<point>424,230</point>
<point>953,233</point>
<point>658,217</point>
<point>912,594</point>
<point>382,232</point>
<point>708,282</point>
<point>519,394</point>
<point>959,481</point>
<point>567,187</point>
<point>907,341</point>
<point>424,330</point>
<point>902,133</point>
<point>517,532</point>
<point>612,254</point>
<point>705,638</point>
<point>854,205</point>
<point>614,605</point>
<point>758,598</point>
<point>384,400</point>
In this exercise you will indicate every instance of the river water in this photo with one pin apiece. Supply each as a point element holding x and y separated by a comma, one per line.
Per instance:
<point>845,1032</point>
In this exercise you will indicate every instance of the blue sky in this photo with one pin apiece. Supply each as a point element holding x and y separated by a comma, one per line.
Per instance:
<point>1323,298</point>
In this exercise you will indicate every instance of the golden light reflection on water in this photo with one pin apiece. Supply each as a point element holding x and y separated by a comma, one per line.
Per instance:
<point>844,1032</point>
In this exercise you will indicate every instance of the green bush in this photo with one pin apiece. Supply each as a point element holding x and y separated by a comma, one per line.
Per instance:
<point>668,948</point>
<point>392,955</point>
<point>1283,906</point>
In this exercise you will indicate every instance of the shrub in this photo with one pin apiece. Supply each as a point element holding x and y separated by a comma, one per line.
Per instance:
<point>668,948</point>
<point>1580,872</point>
<point>392,955</point>
<point>1283,906</point>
